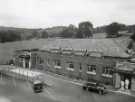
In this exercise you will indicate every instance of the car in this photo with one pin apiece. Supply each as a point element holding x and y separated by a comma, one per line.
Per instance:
<point>38,86</point>
<point>95,87</point>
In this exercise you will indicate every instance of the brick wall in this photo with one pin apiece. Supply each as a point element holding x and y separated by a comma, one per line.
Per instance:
<point>77,73</point>
<point>45,60</point>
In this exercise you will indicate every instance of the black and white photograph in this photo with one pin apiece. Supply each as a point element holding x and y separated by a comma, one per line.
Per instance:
<point>67,50</point>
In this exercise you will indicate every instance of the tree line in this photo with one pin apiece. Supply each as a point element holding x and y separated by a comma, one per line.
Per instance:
<point>18,35</point>
<point>9,36</point>
<point>85,29</point>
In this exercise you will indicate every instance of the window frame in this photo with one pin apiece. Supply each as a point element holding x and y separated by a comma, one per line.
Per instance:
<point>107,71</point>
<point>57,62</point>
<point>80,66</point>
<point>92,68</point>
<point>69,66</point>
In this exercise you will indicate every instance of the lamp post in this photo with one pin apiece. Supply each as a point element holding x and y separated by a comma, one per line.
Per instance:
<point>24,62</point>
<point>30,60</point>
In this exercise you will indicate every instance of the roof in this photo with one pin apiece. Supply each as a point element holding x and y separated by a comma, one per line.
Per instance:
<point>108,47</point>
<point>125,66</point>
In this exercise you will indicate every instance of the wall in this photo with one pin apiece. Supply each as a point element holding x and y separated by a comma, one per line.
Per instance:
<point>84,60</point>
<point>133,83</point>
<point>40,61</point>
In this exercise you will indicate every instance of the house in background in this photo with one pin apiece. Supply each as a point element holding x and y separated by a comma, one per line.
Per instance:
<point>86,59</point>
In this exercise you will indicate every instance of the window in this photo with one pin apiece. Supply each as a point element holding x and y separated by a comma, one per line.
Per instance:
<point>48,61</point>
<point>107,71</point>
<point>80,66</point>
<point>70,66</point>
<point>57,63</point>
<point>41,60</point>
<point>91,69</point>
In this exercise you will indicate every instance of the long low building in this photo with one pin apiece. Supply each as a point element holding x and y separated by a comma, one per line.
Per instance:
<point>86,59</point>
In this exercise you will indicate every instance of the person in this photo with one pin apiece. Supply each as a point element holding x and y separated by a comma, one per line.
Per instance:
<point>126,84</point>
<point>122,85</point>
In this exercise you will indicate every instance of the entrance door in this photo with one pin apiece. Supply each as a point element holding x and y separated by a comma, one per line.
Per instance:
<point>125,77</point>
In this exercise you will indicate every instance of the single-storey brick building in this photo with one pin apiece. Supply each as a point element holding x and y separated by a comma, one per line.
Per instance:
<point>86,59</point>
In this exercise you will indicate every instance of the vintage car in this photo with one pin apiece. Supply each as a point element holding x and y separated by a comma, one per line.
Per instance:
<point>95,87</point>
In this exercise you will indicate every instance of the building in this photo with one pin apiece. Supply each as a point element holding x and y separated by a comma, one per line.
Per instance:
<point>125,71</point>
<point>86,59</point>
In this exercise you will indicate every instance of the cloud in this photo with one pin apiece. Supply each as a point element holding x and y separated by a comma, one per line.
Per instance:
<point>44,13</point>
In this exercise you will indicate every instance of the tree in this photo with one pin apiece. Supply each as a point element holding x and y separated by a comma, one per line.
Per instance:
<point>35,34</point>
<point>113,29</point>
<point>44,34</point>
<point>9,36</point>
<point>133,37</point>
<point>69,32</point>
<point>85,30</point>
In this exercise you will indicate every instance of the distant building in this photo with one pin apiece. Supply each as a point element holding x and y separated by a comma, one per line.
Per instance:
<point>86,59</point>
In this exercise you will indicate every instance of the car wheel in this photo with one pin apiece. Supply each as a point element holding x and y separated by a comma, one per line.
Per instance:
<point>89,89</point>
<point>84,88</point>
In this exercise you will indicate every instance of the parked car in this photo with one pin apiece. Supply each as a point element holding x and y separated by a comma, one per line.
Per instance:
<point>95,87</point>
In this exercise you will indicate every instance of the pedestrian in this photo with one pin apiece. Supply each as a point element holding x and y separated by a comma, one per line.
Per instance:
<point>122,85</point>
<point>126,84</point>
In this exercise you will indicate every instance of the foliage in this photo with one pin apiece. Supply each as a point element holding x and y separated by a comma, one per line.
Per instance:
<point>85,30</point>
<point>69,32</point>
<point>133,37</point>
<point>9,36</point>
<point>44,34</point>
<point>113,29</point>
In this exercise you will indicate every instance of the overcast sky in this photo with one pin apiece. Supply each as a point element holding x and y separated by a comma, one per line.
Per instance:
<point>47,13</point>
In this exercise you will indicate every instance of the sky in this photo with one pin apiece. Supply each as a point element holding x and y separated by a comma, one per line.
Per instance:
<point>48,13</point>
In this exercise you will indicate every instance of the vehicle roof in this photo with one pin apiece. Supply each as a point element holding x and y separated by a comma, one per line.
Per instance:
<point>91,83</point>
<point>37,82</point>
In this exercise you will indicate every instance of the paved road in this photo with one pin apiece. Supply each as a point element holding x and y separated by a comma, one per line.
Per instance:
<point>65,91</point>
<point>20,91</point>
<point>59,91</point>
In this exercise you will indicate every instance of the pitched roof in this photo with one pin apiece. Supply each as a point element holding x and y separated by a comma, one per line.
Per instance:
<point>106,46</point>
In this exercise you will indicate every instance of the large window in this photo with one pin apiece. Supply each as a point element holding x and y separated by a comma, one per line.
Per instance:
<point>70,66</point>
<point>80,66</point>
<point>48,61</point>
<point>41,60</point>
<point>91,69</point>
<point>107,71</point>
<point>57,63</point>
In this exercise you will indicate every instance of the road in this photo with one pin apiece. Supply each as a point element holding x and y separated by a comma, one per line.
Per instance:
<point>65,91</point>
<point>59,90</point>
<point>12,90</point>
